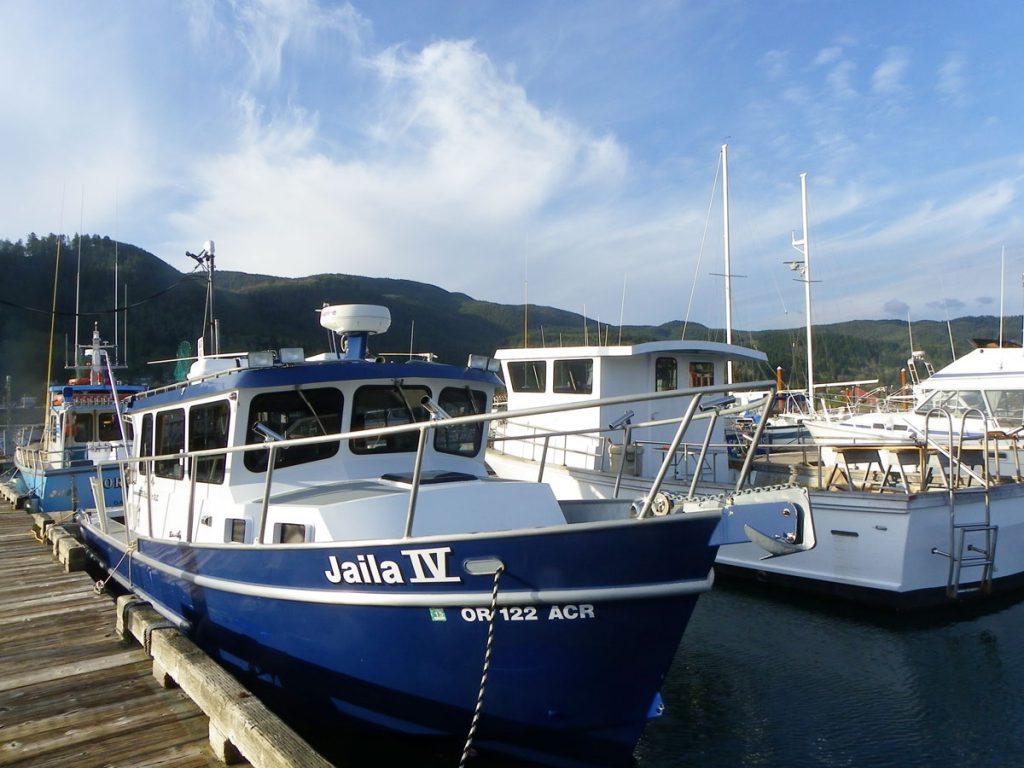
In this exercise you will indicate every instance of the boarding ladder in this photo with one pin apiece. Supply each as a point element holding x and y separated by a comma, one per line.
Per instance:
<point>918,357</point>
<point>971,545</point>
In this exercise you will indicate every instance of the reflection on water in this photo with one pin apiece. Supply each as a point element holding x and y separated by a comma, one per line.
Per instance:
<point>766,682</point>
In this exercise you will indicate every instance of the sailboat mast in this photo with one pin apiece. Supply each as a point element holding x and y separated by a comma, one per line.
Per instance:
<point>728,256</point>
<point>803,245</point>
<point>1002,287</point>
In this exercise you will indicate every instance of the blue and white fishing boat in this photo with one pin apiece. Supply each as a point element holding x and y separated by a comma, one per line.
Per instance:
<point>327,526</point>
<point>82,427</point>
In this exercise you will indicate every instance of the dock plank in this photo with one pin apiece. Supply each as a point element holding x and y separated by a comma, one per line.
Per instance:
<point>72,693</point>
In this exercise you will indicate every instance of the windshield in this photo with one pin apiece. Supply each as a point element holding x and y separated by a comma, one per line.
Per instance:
<point>1004,406</point>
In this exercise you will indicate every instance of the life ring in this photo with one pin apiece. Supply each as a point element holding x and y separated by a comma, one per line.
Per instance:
<point>84,380</point>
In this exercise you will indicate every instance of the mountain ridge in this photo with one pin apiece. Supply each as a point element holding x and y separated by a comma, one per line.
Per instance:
<point>164,307</point>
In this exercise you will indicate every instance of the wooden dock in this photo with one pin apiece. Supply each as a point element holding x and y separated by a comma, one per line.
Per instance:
<point>74,692</point>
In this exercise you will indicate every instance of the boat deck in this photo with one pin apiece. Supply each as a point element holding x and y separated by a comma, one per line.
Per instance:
<point>72,692</point>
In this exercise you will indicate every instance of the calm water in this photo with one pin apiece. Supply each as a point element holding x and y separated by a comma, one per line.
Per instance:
<point>764,681</point>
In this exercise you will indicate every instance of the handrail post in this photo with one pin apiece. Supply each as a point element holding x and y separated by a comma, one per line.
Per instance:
<point>414,491</point>
<point>265,504</point>
<point>755,440</point>
<point>627,437</point>
<point>703,452</point>
<point>100,502</point>
<point>191,464</point>
<point>150,469</point>
<point>543,459</point>
<point>663,469</point>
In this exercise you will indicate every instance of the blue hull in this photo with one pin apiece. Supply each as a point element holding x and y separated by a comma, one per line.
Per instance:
<point>68,489</point>
<point>336,629</point>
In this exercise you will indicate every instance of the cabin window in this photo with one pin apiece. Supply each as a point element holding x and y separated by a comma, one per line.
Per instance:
<point>236,530</point>
<point>702,374</point>
<point>146,442</point>
<point>106,426</point>
<point>573,377</point>
<point>1007,406</point>
<point>294,414</point>
<point>666,374</point>
<point>956,402</point>
<point>528,376</point>
<point>463,440</point>
<point>290,533</point>
<point>207,429</point>
<point>82,427</point>
<point>374,407</point>
<point>170,439</point>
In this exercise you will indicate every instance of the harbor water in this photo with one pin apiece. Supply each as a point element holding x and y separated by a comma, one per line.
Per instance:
<point>763,680</point>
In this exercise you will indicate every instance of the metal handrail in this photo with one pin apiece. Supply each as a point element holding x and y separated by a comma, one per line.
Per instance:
<point>125,465</point>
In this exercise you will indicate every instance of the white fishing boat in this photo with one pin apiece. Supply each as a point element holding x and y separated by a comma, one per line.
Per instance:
<point>942,520</point>
<point>326,527</point>
<point>917,532</point>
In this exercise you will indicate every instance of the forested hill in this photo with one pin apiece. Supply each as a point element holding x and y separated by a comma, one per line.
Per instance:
<point>162,306</point>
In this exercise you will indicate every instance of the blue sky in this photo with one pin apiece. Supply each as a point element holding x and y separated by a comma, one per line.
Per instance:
<point>566,152</point>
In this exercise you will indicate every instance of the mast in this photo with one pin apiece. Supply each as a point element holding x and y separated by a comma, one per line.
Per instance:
<point>1002,287</point>
<point>526,302</point>
<point>728,256</point>
<point>117,322</point>
<point>205,260</point>
<point>78,280</point>
<point>804,268</point>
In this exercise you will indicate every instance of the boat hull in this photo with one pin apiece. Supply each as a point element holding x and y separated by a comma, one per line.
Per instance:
<point>588,620</point>
<point>67,489</point>
<point>887,549</point>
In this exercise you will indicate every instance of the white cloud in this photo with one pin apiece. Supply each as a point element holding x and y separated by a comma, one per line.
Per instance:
<point>775,63</point>
<point>952,80</point>
<point>442,142</point>
<point>266,28</point>
<point>840,80</point>
<point>74,136</point>
<point>888,77</point>
<point>828,55</point>
<point>461,166</point>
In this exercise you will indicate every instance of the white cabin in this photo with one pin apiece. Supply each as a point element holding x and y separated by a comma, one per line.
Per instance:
<point>560,375</point>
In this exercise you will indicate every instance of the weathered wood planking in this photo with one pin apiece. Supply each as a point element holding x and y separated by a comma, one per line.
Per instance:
<point>71,692</point>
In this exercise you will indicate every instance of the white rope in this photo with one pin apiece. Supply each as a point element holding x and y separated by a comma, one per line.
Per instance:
<point>99,586</point>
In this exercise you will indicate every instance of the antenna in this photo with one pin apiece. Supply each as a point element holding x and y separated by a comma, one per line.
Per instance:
<point>205,260</point>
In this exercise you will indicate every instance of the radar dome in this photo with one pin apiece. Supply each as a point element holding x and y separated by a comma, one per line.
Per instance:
<point>355,318</point>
